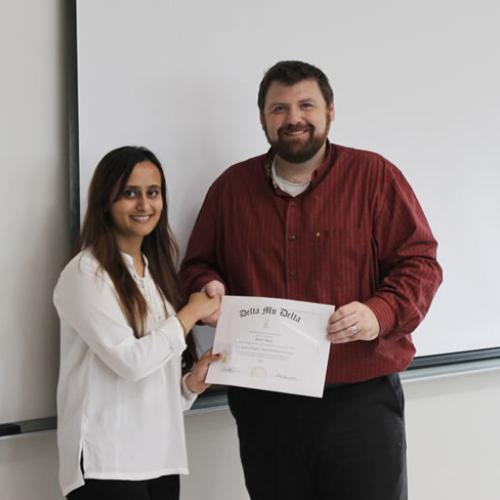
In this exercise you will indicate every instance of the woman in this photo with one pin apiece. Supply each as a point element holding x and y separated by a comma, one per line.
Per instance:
<point>120,393</point>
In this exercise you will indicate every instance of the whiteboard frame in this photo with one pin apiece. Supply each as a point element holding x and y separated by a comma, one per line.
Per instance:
<point>426,361</point>
<point>422,366</point>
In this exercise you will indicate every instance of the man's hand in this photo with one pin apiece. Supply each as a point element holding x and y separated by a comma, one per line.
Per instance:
<point>351,322</point>
<point>212,289</point>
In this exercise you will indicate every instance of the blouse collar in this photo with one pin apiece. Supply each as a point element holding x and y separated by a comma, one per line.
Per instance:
<point>129,262</point>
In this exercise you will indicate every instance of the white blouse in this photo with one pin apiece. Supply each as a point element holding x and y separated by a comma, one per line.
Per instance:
<point>119,398</point>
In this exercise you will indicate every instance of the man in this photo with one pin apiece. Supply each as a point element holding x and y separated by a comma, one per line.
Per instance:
<point>314,221</point>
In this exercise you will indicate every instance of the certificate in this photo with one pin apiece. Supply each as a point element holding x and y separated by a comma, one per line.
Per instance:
<point>272,344</point>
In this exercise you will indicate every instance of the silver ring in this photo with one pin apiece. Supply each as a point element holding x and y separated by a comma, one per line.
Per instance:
<point>354,329</point>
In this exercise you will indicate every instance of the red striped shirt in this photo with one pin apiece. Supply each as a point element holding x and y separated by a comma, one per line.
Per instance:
<point>357,233</point>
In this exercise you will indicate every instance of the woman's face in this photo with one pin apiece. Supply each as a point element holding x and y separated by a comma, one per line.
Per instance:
<point>137,209</point>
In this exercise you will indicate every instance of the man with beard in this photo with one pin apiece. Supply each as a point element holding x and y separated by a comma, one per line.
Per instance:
<point>314,221</point>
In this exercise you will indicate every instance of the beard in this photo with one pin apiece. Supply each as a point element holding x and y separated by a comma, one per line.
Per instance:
<point>298,149</point>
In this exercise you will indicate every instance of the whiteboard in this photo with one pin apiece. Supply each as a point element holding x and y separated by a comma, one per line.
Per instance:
<point>414,81</point>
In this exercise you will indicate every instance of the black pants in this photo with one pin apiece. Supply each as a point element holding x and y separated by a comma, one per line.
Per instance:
<point>349,445</point>
<point>162,488</point>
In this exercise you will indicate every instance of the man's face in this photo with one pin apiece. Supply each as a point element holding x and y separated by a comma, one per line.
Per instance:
<point>296,119</point>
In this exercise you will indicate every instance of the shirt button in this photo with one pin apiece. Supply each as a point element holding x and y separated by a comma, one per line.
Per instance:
<point>293,204</point>
<point>292,237</point>
<point>291,274</point>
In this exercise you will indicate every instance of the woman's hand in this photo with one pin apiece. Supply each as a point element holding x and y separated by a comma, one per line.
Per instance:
<point>204,304</point>
<point>199,306</point>
<point>195,381</point>
<point>212,289</point>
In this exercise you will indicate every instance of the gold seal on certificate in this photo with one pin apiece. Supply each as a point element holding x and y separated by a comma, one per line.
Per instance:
<point>272,344</point>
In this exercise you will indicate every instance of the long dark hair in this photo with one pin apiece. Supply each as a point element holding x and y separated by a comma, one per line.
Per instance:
<point>160,248</point>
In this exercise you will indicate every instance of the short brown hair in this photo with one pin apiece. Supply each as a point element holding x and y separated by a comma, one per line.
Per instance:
<point>291,72</point>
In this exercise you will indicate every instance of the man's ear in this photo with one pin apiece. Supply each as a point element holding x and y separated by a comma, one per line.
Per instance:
<point>332,111</point>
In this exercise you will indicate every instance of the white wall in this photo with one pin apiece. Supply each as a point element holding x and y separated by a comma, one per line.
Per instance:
<point>28,467</point>
<point>452,423</point>
<point>417,82</point>
<point>453,446</point>
<point>453,438</point>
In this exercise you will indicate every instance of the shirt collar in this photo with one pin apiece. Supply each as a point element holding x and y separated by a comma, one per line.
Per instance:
<point>317,175</point>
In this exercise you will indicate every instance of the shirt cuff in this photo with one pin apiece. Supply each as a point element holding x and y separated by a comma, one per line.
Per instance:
<point>384,313</point>
<point>175,333</point>
<point>189,396</point>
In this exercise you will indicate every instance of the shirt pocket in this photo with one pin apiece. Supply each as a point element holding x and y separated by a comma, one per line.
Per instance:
<point>344,258</point>
<point>345,246</point>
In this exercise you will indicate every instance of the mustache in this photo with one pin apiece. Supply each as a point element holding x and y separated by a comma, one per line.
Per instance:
<point>290,128</point>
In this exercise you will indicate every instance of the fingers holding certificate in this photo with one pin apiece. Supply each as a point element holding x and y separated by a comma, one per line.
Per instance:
<point>272,344</point>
